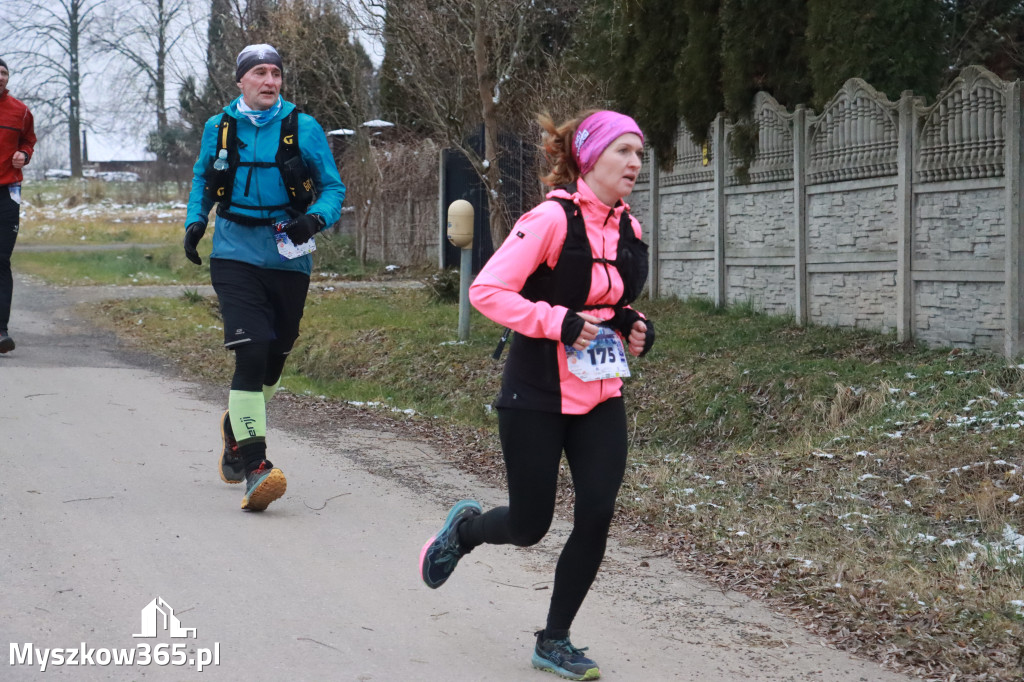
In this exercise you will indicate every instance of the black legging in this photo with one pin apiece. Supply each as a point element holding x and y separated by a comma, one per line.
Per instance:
<point>258,365</point>
<point>532,443</point>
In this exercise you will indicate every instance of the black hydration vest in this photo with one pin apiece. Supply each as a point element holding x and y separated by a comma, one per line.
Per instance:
<point>298,181</point>
<point>568,283</point>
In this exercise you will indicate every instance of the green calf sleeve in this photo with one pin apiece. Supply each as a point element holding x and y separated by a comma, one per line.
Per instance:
<point>248,414</point>
<point>269,391</point>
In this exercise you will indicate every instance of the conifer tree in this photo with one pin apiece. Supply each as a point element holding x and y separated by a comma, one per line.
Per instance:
<point>657,38</point>
<point>989,33</point>
<point>699,68</point>
<point>893,44</point>
<point>764,48</point>
<point>633,51</point>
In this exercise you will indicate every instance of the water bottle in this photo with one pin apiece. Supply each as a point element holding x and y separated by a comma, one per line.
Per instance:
<point>222,160</point>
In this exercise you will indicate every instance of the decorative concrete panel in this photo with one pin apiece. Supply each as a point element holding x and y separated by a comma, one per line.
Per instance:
<point>865,300</point>
<point>760,220</point>
<point>693,161</point>
<point>854,221</point>
<point>961,225</point>
<point>963,134</point>
<point>640,206</point>
<point>688,278</point>
<point>960,314</point>
<point>687,221</point>
<point>770,289</point>
<point>773,160</point>
<point>854,137</point>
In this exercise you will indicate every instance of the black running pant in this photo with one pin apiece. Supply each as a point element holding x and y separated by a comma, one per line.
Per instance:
<point>9,218</point>
<point>532,443</point>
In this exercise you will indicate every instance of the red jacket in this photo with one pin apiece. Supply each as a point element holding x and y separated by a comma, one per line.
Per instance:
<point>538,238</point>
<point>17,134</point>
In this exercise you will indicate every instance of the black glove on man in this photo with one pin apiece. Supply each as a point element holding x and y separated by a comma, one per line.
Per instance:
<point>303,227</point>
<point>193,233</point>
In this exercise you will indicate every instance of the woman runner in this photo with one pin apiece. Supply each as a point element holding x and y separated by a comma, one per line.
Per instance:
<point>562,281</point>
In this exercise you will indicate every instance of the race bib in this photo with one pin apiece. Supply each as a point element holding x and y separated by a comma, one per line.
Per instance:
<point>604,358</point>
<point>15,190</point>
<point>288,250</point>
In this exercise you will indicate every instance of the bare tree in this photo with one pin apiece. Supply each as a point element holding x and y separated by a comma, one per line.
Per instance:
<point>461,63</point>
<point>145,33</point>
<point>51,43</point>
<point>326,73</point>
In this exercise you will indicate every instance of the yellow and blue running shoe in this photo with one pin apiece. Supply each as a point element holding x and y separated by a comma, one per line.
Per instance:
<point>560,657</point>
<point>263,485</point>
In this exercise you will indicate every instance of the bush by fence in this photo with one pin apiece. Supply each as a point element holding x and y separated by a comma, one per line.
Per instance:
<point>392,196</point>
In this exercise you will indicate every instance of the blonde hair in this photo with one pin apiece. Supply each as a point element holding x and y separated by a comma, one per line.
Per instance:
<point>556,143</point>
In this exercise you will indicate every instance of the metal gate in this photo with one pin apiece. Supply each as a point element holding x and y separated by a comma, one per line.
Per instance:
<point>460,181</point>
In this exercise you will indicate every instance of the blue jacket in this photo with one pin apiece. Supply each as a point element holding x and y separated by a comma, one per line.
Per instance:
<point>256,245</point>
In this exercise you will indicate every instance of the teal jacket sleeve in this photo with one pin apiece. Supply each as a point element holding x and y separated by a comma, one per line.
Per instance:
<point>198,205</point>
<point>316,153</point>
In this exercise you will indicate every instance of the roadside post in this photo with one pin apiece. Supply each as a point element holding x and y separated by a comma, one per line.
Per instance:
<point>460,234</point>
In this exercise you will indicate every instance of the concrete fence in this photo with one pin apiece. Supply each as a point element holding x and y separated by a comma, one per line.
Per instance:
<point>875,214</point>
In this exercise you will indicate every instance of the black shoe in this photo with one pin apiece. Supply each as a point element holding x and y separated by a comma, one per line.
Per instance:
<point>6,343</point>
<point>232,469</point>
<point>263,485</point>
<point>560,657</point>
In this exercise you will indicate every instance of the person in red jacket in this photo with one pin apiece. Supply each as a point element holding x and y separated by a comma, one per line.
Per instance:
<point>17,140</point>
<point>562,281</point>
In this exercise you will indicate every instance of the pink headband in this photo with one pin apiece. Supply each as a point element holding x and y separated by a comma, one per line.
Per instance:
<point>596,132</point>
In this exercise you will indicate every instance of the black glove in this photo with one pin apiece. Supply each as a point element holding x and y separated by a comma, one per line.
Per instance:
<point>193,233</point>
<point>303,227</point>
<point>572,327</point>
<point>623,321</point>
<point>648,339</point>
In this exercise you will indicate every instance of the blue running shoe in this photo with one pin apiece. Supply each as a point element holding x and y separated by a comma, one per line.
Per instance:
<point>442,552</point>
<point>263,485</point>
<point>560,657</point>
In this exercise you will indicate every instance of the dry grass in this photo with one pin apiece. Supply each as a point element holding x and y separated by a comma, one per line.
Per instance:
<point>77,212</point>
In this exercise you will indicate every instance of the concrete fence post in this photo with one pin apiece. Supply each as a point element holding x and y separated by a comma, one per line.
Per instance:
<point>800,211</point>
<point>720,160</point>
<point>654,232</point>
<point>906,135</point>
<point>441,209</point>
<point>1014,258</point>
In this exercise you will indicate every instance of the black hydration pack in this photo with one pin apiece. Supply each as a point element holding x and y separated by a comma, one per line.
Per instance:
<point>298,181</point>
<point>568,283</point>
